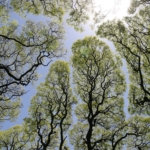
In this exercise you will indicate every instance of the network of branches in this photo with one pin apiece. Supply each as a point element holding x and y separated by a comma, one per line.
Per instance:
<point>80,105</point>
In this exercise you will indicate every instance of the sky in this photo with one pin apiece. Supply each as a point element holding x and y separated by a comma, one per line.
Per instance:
<point>116,8</point>
<point>70,37</point>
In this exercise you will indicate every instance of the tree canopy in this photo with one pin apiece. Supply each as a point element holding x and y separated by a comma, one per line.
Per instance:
<point>50,110</point>
<point>80,105</point>
<point>131,38</point>
<point>21,53</point>
<point>100,84</point>
<point>137,4</point>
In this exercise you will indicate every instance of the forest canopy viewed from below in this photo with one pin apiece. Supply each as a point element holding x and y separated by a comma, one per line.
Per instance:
<point>74,74</point>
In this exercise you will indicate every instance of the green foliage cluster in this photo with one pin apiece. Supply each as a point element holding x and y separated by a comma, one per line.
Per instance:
<point>96,97</point>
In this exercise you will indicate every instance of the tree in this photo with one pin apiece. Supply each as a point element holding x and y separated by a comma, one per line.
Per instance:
<point>77,10</point>
<point>138,126</point>
<point>4,11</point>
<point>137,4</point>
<point>50,110</point>
<point>131,38</point>
<point>14,138</point>
<point>21,54</point>
<point>100,85</point>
